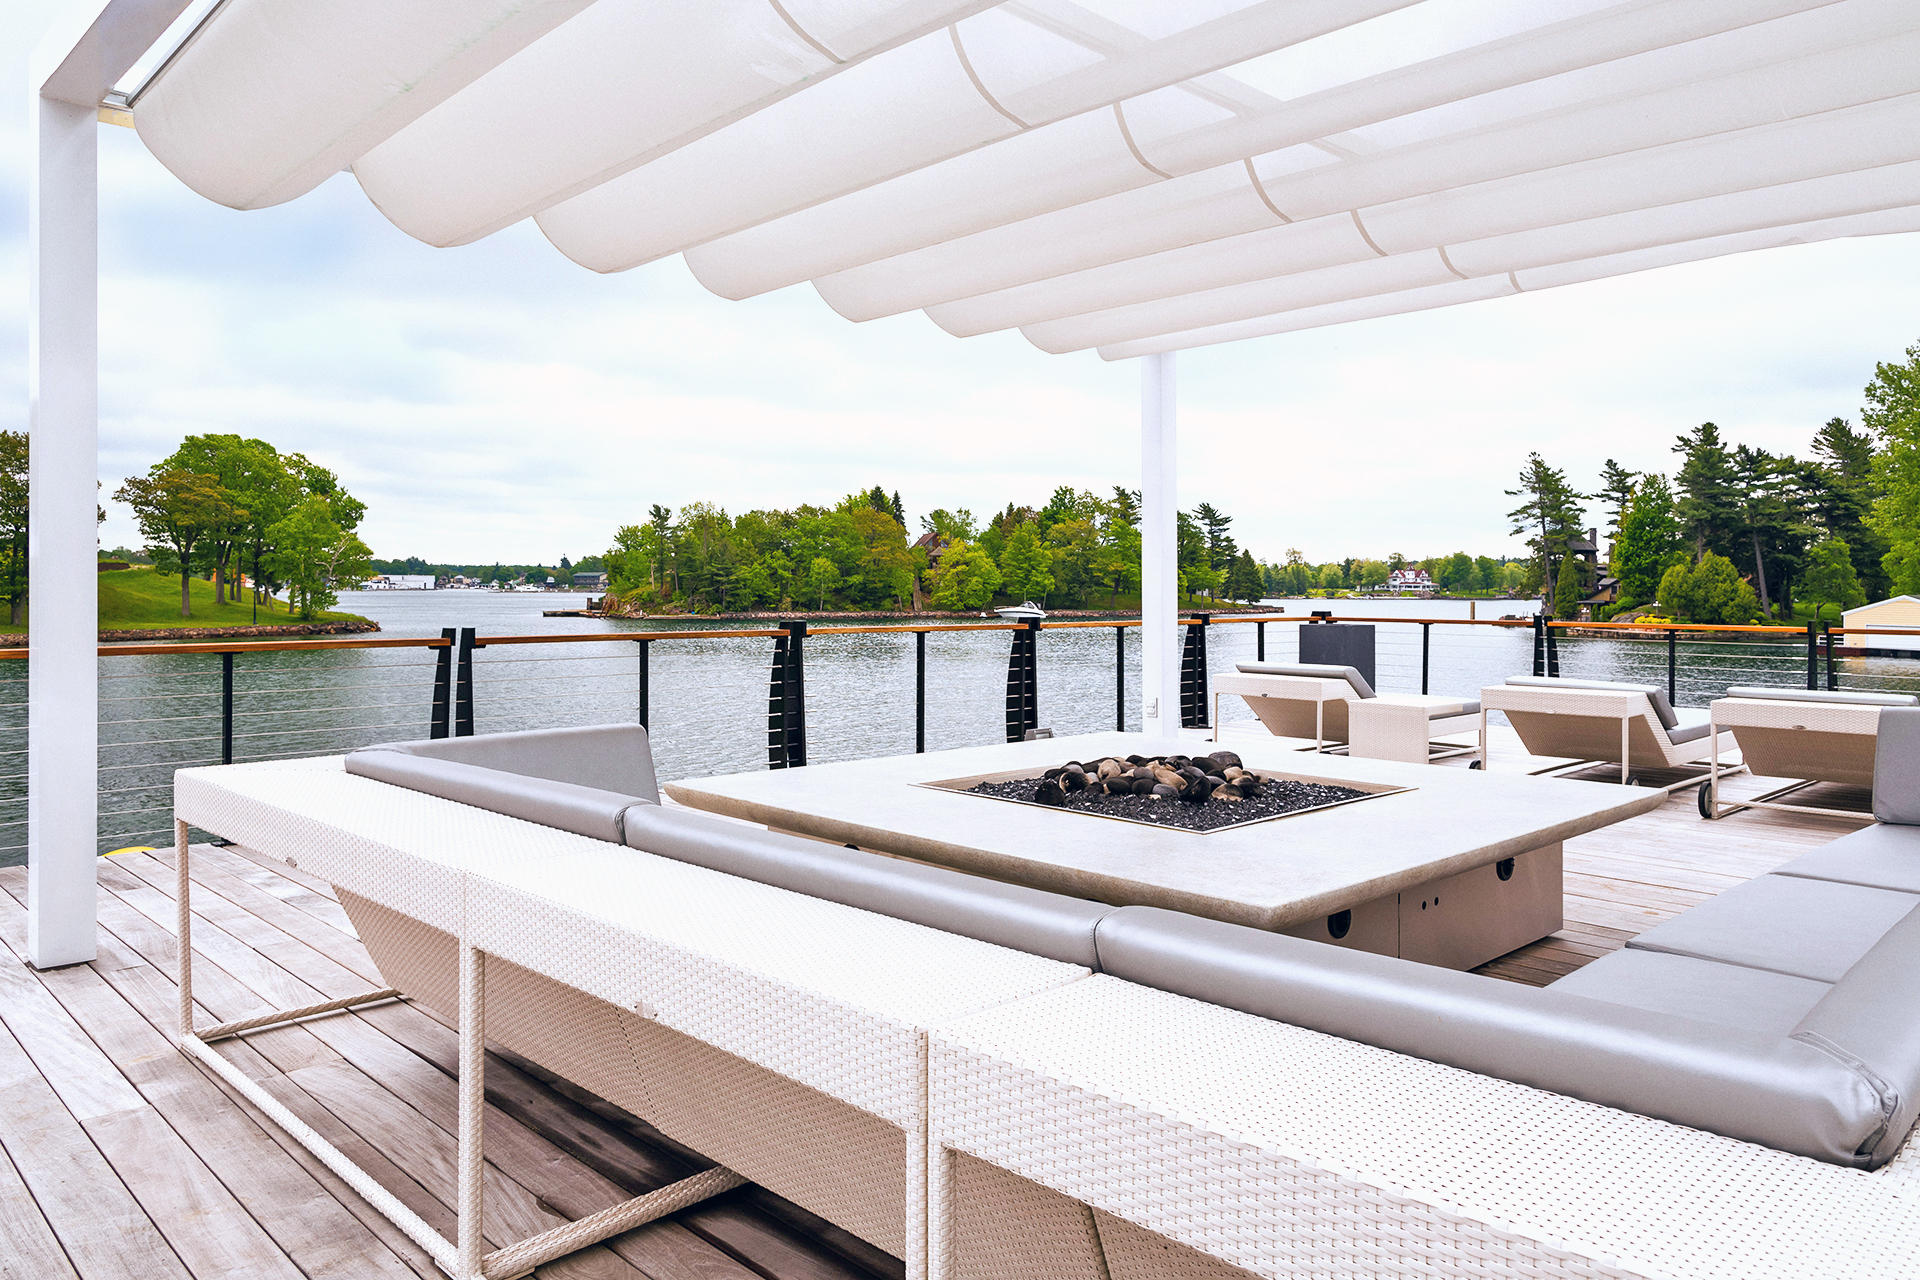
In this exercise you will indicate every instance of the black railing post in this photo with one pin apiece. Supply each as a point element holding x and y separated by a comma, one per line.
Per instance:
<point>1023,691</point>
<point>1539,644</point>
<point>1813,654</point>
<point>1673,661</point>
<point>1426,639</point>
<point>646,677</point>
<point>442,709</point>
<point>226,708</point>
<point>1193,674</point>
<point>1259,642</point>
<point>1119,679</point>
<point>1826,642</point>
<point>1553,651</point>
<point>787,699</point>
<point>919,691</point>
<point>463,686</point>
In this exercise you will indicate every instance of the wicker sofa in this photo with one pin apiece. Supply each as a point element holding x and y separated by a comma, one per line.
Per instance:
<point>717,980</point>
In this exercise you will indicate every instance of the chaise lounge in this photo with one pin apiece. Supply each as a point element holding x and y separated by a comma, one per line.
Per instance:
<point>1587,722</point>
<point>1808,735</point>
<point>1033,1084</point>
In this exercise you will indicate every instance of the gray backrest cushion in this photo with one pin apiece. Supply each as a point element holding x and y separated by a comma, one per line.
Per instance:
<point>586,811</point>
<point>1783,1093</point>
<point>1311,671</point>
<point>1661,706</point>
<point>1031,920</point>
<point>1868,1023</point>
<point>1824,695</point>
<point>612,757</point>
<point>1896,766</point>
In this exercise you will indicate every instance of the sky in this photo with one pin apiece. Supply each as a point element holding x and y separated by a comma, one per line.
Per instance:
<point>497,403</point>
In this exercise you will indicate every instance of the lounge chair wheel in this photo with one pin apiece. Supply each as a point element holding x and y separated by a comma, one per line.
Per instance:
<point>1707,805</point>
<point>1473,764</point>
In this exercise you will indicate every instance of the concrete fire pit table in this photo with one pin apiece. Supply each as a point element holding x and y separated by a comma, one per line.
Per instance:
<point>1457,868</point>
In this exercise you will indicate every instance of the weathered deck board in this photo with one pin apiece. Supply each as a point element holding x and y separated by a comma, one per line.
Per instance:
<point>119,1157</point>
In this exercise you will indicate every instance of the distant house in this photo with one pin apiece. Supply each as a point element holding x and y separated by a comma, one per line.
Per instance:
<point>401,582</point>
<point>589,582</point>
<point>1400,581</point>
<point>1900,613</point>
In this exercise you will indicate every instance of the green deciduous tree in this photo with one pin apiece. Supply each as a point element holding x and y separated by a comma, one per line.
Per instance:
<point>13,522</point>
<point>1892,414</point>
<point>175,511</point>
<point>1650,541</point>
<point>313,554</point>
<point>966,578</point>
<point>1026,566</point>
<point>1708,592</point>
<point>1829,578</point>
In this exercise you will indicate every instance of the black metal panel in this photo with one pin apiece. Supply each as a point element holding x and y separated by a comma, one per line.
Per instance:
<point>1340,644</point>
<point>646,676</point>
<point>441,712</point>
<point>787,699</point>
<point>1023,693</point>
<point>226,708</point>
<point>1193,675</point>
<point>463,685</point>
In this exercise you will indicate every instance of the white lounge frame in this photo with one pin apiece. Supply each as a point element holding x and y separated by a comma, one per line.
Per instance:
<point>466,1257</point>
<point>1627,708</point>
<point>1768,714</point>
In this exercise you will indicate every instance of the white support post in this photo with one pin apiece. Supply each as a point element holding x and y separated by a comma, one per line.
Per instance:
<point>63,626</point>
<point>1159,549</point>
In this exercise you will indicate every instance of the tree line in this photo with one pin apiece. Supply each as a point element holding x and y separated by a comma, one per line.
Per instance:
<point>1737,533</point>
<point>1079,549</point>
<point>223,507</point>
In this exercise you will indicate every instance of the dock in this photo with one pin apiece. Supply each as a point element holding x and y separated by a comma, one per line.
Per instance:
<point>122,1159</point>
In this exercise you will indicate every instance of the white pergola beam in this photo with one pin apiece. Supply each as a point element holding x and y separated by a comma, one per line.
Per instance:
<point>91,46</point>
<point>1159,548</point>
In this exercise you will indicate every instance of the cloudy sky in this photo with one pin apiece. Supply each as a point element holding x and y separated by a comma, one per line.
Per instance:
<point>495,402</point>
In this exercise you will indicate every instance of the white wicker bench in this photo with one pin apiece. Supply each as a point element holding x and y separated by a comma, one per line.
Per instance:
<point>782,1035</point>
<point>1110,1130</point>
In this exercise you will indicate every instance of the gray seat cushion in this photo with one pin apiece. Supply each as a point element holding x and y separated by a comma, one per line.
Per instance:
<point>1824,695</point>
<point>1896,766</point>
<point>611,757</point>
<point>1729,994</point>
<point>1882,856</point>
<point>1031,920</point>
<point>586,811</point>
<point>1471,707</point>
<point>1785,924</point>
<point>1310,671</point>
<point>1790,1094</point>
<point>1661,707</point>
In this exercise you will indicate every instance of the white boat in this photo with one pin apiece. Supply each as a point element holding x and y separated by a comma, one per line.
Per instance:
<point>1018,612</point>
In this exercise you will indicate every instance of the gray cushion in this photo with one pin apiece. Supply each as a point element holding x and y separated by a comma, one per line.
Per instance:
<point>1469,708</point>
<point>1882,856</point>
<point>1661,707</point>
<point>1788,1094</point>
<point>1729,994</point>
<point>1311,671</point>
<point>612,757</point>
<point>1868,1023</point>
<point>1031,920</point>
<point>586,811</point>
<point>1824,695</point>
<point>1786,924</point>
<point>1896,766</point>
<point>1688,732</point>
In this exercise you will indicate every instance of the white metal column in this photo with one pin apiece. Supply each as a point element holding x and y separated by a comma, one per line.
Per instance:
<point>62,418</point>
<point>1159,549</point>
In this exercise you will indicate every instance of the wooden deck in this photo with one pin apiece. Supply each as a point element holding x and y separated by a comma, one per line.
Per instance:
<point>121,1157</point>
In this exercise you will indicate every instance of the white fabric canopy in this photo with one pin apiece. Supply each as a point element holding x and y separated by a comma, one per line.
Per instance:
<point>1129,175</point>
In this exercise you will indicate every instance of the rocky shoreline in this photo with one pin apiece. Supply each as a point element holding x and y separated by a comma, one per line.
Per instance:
<point>925,615</point>
<point>220,633</point>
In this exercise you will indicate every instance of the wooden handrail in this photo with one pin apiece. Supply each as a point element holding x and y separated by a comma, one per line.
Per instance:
<point>481,642</point>
<point>157,648</point>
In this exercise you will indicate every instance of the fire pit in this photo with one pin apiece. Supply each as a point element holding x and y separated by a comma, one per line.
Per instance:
<point>1189,793</point>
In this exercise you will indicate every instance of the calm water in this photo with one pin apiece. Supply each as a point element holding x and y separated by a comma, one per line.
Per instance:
<point>708,696</point>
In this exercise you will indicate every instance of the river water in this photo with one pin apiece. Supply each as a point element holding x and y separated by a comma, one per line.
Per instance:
<point>707,700</point>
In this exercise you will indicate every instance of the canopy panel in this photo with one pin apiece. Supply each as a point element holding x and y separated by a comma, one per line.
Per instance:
<point>1126,175</point>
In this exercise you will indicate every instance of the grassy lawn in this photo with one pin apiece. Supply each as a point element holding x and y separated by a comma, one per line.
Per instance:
<point>138,599</point>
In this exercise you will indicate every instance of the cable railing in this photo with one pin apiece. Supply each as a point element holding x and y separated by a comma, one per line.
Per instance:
<point>827,692</point>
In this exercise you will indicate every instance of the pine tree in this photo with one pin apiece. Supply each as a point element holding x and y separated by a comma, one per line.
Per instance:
<point>1708,495</point>
<point>1221,549</point>
<point>1243,580</point>
<point>1550,517</point>
<point>1616,490</point>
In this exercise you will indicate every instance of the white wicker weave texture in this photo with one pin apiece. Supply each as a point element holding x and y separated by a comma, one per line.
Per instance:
<point>1285,1151</point>
<point>829,995</point>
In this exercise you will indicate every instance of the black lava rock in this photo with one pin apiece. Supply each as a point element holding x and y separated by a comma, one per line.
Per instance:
<point>1049,792</point>
<point>1073,780</point>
